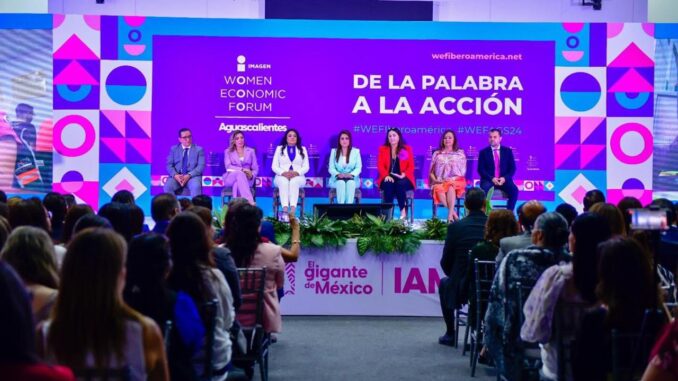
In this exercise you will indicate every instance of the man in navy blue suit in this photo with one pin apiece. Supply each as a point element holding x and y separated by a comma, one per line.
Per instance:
<point>496,167</point>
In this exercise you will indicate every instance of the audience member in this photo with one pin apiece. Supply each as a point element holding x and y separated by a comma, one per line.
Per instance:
<point>5,229</point>
<point>18,357</point>
<point>525,266</point>
<point>31,212</point>
<point>527,215</point>
<point>202,200</point>
<point>222,256</point>
<point>4,210</point>
<point>663,364</point>
<point>185,203</point>
<point>625,290</point>
<point>92,327</point>
<point>91,221</point>
<point>193,273</point>
<point>500,223</point>
<point>120,216</point>
<point>163,208</point>
<point>124,197</point>
<point>30,252</point>
<point>591,198</point>
<point>625,205</point>
<point>56,206</point>
<point>267,232</point>
<point>72,216</point>
<point>461,237</point>
<point>613,216</point>
<point>573,283</point>
<point>568,211</point>
<point>248,250</point>
<point>146,290</point>
<point>3,197</point>
<point>70,200</point>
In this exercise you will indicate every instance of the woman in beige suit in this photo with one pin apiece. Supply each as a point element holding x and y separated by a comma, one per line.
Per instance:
<point>248,250</point>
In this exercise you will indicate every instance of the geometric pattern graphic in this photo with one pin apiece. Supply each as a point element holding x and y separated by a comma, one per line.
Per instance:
<point>125,137</point>
<point>135,178</point>
<point>629,158</point>
<point>126,38</point>
<point>580,91</point>
<point>76,143</point>
<point>580,143</point>
<point>630,70</point>
<point>126,85</point>
<point>76,62</point>
<point>573,185</point>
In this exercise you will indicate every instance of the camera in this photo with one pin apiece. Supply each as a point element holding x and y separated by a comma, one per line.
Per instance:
<point>649,219</point>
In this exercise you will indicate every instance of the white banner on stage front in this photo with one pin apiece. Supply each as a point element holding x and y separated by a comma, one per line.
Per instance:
<point>341,282</point>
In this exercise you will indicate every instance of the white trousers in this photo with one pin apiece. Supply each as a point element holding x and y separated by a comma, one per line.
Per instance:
<point>289,189</point>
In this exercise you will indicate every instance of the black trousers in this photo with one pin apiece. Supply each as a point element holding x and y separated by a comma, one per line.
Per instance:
<point>397,189</point>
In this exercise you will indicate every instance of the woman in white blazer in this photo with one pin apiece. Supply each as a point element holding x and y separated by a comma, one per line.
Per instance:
<point>344,167</point>
<point>290,164</point>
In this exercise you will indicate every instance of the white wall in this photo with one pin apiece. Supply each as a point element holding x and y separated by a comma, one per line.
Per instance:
<point>23,6</point>
<point>662,11</point>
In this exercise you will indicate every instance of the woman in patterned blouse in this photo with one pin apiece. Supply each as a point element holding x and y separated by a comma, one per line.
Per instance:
<point>448,168</point>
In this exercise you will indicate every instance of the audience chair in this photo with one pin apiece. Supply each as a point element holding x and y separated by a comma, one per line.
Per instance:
<point>210,310</point>
<point>250,316</point>
<point>167,332</point>
<point>566,323</point>
<point>103,374</point>
<point>227,194</point>
<point>631,351</point>
<point>461,320</point>
<point>409,205</point>
<point>357,197</point>
<point>528,357</point>
<point>670,310</point>
<point>276,202</point>
<point>484,275</point>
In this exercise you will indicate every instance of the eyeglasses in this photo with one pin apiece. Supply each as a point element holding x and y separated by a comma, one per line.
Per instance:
<point>186,137</point>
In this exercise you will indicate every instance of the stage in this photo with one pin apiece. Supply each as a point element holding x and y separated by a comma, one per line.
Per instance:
<point>341,282</point>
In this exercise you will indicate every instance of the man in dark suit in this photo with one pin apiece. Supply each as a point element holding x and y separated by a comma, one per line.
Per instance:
<point>496,167</point>
<point>185,164</point>
<point>461,237</point>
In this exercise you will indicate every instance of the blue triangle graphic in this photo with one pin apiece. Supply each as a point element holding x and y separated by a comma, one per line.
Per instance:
<point>132,156</point>
<point>598,136</point>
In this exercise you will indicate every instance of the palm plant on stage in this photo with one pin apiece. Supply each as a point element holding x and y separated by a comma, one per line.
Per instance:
<point>434,229</point>
<point>283,231</point>
<point>380,236</point>
<point>322,232</point>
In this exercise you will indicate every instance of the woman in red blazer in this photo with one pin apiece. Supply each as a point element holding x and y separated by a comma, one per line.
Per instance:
<point>396,169</point>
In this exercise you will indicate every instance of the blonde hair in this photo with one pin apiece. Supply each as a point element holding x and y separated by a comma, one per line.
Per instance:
<point>31,253</point>
<point>231,144</point>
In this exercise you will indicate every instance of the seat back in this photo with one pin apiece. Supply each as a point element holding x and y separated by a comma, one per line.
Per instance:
<point>167,332</point>
<point>103,374</point>
<point>631,350</point>
<point>484,276</point>
<point>566,322</point>
<point>528,356</point>
<point>210,313</point>
<point>252,282</point>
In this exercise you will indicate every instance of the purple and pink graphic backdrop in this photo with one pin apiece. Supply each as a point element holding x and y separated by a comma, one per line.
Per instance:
<point>603,128</point>
<point>314,86</point>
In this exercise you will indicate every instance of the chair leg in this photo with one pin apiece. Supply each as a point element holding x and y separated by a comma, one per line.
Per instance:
<point>475,353</point>
<point>466,334</point>
<point>456,328</point>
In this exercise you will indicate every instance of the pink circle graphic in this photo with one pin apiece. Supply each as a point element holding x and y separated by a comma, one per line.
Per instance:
<point>573,27</point>
<point>87,127</point>
<point>615,143</point>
